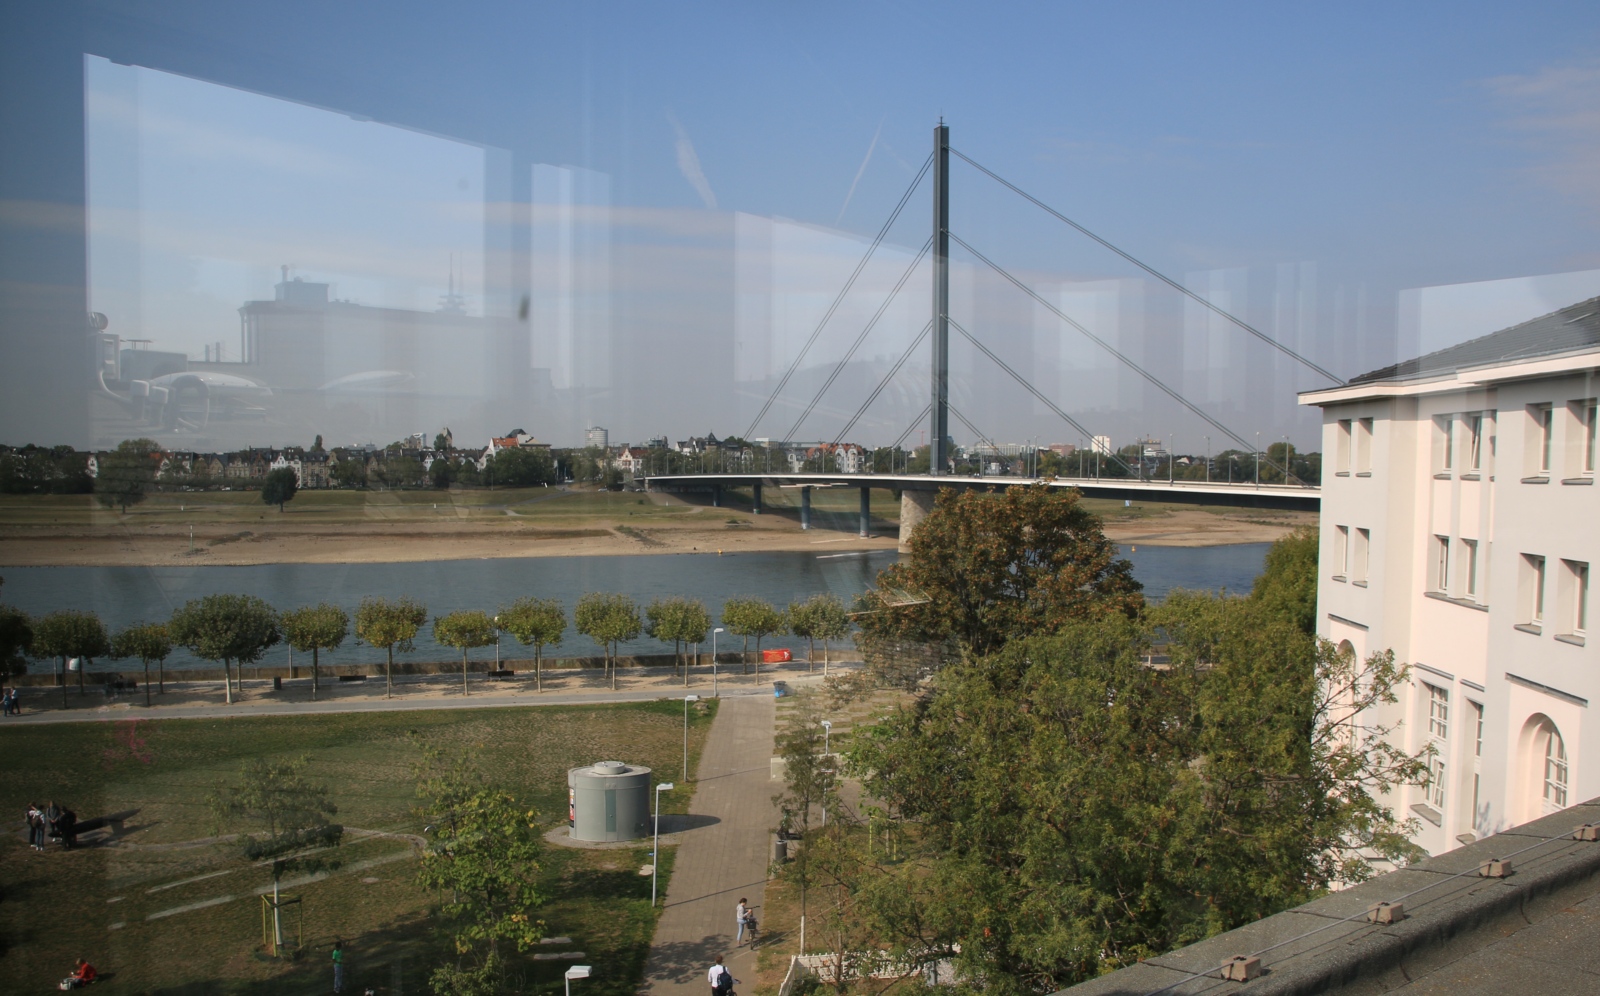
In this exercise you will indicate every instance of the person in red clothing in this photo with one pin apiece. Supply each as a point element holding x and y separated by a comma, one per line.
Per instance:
<point>81,976</point>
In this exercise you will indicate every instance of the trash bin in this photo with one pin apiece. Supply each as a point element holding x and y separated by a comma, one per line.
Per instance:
<point>277,683</point>
<point>780,689</point>
<point>780,849</point>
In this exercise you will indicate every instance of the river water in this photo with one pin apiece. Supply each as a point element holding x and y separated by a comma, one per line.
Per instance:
<point>123,595</point>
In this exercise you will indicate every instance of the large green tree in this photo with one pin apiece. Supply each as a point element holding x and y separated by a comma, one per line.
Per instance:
<point>279,487</point>
<point>986,568</point>
<point>1287,588</point>
<point>16,639</point>
<point>681,621</point>
<point>1073,809</point>
<point>536,622</point>
<point>523,468</point>
<point>316,628</point>
<point>820,617</point>
<point>148,642</point>
<point>464,630</point>
<point>608,619</point>
<point>391,624</point>
<point>233,629</point>
<point>126,473</point>
<point>68,633</point>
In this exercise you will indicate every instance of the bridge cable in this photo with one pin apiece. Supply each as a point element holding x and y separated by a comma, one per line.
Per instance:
<point>914,423</point>
<point>982,436</point>
<point>1141,371</point>
<point>1003,365</point>
<point>882,232</point>
<point>1269,340</point>
<point>884,382</point>
<point>851,352</point>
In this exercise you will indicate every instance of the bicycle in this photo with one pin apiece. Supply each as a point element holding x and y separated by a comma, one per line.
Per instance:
<point>752,928</point>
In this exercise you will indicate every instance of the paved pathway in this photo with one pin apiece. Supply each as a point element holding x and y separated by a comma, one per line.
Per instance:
<point>721,861</point>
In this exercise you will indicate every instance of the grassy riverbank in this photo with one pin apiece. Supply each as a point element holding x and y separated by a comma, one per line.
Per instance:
<point>166,909</point>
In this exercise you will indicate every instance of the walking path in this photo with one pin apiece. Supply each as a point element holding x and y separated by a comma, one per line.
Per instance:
<point>723,860</point>
<point>203,700</point>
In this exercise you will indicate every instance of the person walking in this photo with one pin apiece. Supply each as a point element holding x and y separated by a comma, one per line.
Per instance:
<point>338,966</point>
<point>35,826</point>
<point>741,915</point>
<point>720,978</point>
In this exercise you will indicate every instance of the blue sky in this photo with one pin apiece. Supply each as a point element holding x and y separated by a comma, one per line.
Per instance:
<point>1392,146</point>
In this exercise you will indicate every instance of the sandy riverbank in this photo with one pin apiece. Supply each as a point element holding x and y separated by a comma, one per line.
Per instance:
<point>170,533</point>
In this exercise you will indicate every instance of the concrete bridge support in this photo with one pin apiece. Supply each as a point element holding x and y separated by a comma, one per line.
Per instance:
<point>866,512</point>
<point>914,507</point>
<point>716,496</point>
<point>805,508</point>
<point>755,501</point>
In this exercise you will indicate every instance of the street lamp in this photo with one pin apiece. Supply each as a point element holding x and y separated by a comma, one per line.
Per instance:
<point>686,700</point>
<point>1208,459</point>
<point>497,643</point>
<point>576,972</point>
<point>655,852</point>
<point>827,731</point>
<point>714,692</point>
<point>1258,459</point>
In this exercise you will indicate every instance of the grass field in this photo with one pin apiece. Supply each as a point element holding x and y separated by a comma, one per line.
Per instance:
<point>166,911</point>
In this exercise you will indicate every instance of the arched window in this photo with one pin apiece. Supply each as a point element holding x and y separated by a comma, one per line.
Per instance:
<point>1555,768</point>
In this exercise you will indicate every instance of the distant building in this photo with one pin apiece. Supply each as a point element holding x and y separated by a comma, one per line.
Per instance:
<point>1101,445</point>
<point>597,437</point>
<point>1460,523</point>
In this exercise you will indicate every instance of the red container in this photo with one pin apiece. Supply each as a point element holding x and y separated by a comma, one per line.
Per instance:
<point>776,656</point>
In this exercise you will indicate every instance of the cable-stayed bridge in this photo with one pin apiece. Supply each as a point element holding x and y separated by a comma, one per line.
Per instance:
<point>917,489</point>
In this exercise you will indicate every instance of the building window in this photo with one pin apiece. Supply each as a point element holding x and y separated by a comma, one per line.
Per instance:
<point>1341,551</point>
<point>1555,770</point>
<point>1541,433</point>
<point>1580,438</point>
<point>1573,592</point>
<point>1362,556</point>
<point>1444,443</point>
<point>1441,563</point>
<point>1474,426</point>
<point>1364,446</point>
<point>1532,589</point>
<point>1438,736</point>
<point>1477,758</point>
<point>1591,436</point>
<point>1469,568</point>
<point>1438,712</point>
<point>1341,447</point>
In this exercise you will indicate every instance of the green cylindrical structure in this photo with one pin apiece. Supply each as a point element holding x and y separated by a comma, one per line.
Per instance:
<point>608,801</point>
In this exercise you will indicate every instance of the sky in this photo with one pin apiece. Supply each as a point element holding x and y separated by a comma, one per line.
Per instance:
<point>1370,150</point>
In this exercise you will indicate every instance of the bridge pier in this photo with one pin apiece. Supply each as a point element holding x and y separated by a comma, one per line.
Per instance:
<point>755,501</point>
<point>866,512</point>
<point>805,508</point>
<point>716,496</point>
<point>914,507</point>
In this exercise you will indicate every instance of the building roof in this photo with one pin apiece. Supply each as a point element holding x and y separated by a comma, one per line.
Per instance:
<point>1576,326</point>
<point>1535,930</point>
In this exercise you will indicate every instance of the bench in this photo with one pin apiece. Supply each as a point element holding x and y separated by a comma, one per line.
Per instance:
<point>502,673</point>
<point>352,677</point>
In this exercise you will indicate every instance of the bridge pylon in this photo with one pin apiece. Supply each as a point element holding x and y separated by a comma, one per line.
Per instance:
<point>939,409</point>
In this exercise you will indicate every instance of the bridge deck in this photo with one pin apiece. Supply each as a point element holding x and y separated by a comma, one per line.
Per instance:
<point>1275,496</point>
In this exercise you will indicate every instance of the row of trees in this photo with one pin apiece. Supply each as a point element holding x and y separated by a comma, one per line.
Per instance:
<point>1084,780</point>
<point>238,629</point>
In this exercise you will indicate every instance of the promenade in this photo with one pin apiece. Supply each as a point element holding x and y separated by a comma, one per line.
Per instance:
<point>721,860</point>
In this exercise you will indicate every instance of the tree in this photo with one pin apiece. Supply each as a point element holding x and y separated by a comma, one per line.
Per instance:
<point>987,567</point>
<point>820,617</point>
<point>535,621</point>
<point>70,633</point>
<point>148,642</point>
<point>351,472</point>
<point>296,815</point>
<point>391,625</point>
<point>523,468</point>
<point>1073,810</point>
<point>1287,588</point>
<point>227,628</point>
<point>608,620</point>
<point>680,620</point>
<point>316,628</point>
<point>16,639</point>
<point>279,487</point>
<point>441,472</point>
<point>483,851</point>
<point>126,473</point>
<point>749,617</point>
<point>808,777</point>
<point>464,630</point>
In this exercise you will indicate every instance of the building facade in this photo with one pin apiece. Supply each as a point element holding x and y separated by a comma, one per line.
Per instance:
<point>1460,520</point>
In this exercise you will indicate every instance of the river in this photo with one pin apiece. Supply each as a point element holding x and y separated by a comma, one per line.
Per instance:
<point>123,595</point>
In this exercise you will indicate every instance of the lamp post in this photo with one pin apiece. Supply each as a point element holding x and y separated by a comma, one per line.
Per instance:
<point>827,731</point>
<point>1208,459</point>
<point>686,700</point>
<point>497,643</point>
<point>576,972</point>
<point>655,847</point>
<point>1258,459</point>
<point>714,692</point>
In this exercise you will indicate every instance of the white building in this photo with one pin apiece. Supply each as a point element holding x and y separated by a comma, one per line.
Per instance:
<point>1460,519</point>
<point>597,437</point>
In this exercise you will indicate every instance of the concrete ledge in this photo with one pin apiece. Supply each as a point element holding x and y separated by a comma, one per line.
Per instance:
<point>1451,913</point>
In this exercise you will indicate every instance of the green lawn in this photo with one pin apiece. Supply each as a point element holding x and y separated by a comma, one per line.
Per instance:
<point>165,911</point>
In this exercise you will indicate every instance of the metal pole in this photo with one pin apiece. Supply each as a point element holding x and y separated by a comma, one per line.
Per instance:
<point>655,844</point>
<point>939,426</point>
